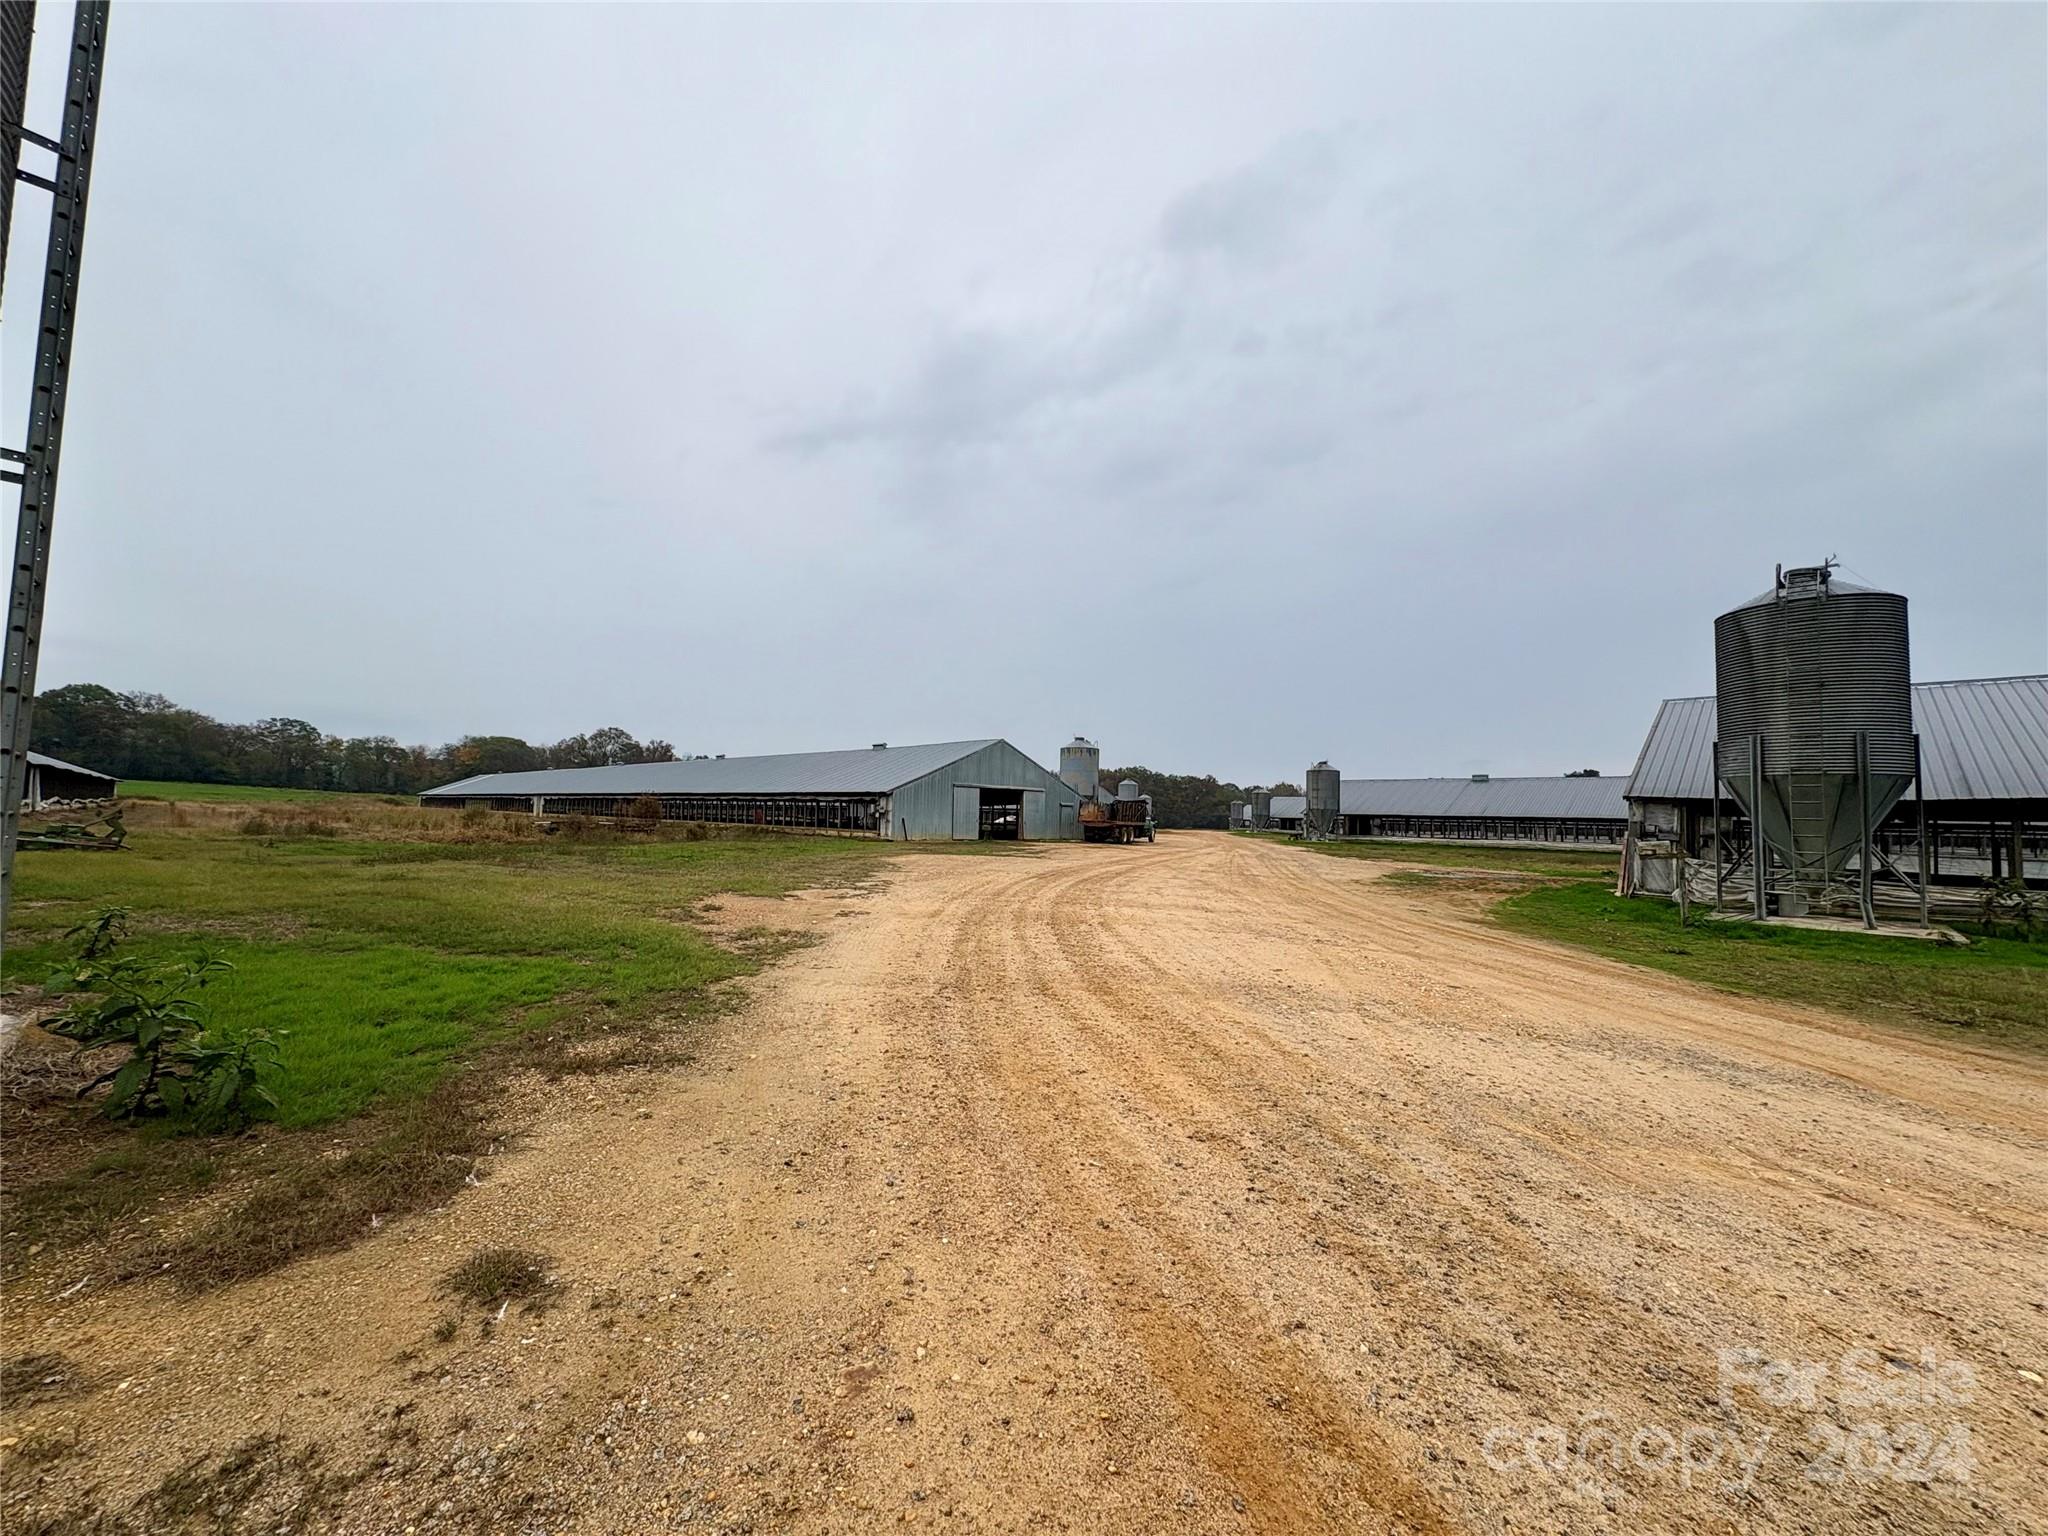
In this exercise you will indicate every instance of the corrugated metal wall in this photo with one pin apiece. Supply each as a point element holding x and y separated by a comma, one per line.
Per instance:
<point>923,809</point>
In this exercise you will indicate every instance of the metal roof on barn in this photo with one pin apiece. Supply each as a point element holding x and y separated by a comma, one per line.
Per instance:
<point>1676,762</point>
<point>1980,739</point>
<point>856,771</point>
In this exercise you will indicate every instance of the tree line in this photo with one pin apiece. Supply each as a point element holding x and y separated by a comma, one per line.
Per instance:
<point>1186,799</point>
<point>146,736</point>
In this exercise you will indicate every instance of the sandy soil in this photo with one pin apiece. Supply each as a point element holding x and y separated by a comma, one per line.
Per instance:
<point>1211,1186</point>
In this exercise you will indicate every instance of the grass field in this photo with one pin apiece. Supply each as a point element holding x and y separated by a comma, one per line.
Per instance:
<point>1568,862</point>
<point>405,959</point>
<point>1995,987</point>
<point>379,959</point>
<point>244,794</point>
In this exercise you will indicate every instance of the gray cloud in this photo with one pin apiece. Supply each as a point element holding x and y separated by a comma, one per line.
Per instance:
<point>1252,213</point>
<point>1490,351</point>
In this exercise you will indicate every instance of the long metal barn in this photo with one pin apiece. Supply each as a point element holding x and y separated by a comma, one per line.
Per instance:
<point>944,791</point>
<point>1479,808</point>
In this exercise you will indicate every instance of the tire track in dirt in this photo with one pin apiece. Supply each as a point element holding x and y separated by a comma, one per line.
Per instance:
<point>1228,1375</point>
<point>1181,1069</point>
<point>1207,1187</point>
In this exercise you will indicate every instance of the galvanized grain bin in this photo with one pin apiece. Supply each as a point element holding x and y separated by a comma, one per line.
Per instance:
<point>1325,797</point>
<point>1081,767</point>
<point>1815,732</point>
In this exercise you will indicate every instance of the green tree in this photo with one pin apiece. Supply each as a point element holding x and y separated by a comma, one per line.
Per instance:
<point>376,764</point>
<point>146,736</point>
<point>1182,799</point>
<point>494,754</point>
<point>290,753</point>
<point>86,724</point>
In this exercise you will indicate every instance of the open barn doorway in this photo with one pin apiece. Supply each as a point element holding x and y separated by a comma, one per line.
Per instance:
<point>1002,815</point>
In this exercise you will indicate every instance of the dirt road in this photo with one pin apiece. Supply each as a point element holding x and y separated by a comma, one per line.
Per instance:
<point>1213,1186</point>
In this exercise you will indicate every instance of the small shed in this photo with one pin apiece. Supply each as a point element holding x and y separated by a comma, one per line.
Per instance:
<point>52,781</point>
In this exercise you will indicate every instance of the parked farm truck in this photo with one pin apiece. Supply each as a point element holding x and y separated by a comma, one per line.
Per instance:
<point>1122,817</point>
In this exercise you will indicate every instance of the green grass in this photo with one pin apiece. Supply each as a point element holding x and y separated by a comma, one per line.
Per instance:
<point>239,794</point>
<point>1995,987</point>
<point>1534,861</point>
<point>379,963</point>
<point>407,960</point>
<point>491,1276</point>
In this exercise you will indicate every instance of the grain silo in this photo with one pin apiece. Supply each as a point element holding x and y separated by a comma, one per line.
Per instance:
<point>1262,809</point>
<point>1323,813</point>
<point>1081,767</point>
<point>1237,809</point>
<point>1815,732</point>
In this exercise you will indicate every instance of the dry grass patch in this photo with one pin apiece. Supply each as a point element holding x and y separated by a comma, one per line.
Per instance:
<point>261,1484</point>
<point>496,1277</point>
<point>416,1155</point>
<point>26,1380</point>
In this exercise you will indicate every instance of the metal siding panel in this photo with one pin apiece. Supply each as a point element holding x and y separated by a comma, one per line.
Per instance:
<point>923,809</point>
<point>1001,766</point>
<point>1808,668</point>
<point>966,813</point>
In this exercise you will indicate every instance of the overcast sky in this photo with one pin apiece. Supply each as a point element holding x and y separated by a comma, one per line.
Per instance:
<point>1239,387</point>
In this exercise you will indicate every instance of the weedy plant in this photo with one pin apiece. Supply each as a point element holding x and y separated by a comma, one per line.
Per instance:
<point>175,1066</point>
<point>2011,906</point>
<point>98,934</point>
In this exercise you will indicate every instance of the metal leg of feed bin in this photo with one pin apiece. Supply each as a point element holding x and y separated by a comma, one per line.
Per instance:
<point>1920,817</point>
<point>1863,825</point>
<point>1714,826</point>
<point>1759,860</point>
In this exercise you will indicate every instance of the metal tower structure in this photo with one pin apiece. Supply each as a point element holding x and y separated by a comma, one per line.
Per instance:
<point>34,465</point>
